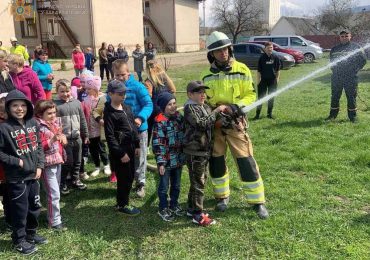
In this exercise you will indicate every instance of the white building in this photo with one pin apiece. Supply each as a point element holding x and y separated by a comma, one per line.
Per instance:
<point>271,12</point>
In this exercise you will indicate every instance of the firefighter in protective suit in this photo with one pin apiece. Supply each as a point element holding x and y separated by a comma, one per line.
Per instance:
<point>345,75</point>
<point>230,83</point>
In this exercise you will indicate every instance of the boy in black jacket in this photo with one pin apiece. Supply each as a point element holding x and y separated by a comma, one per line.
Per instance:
<point>22,157</point>
<point>123,143</point>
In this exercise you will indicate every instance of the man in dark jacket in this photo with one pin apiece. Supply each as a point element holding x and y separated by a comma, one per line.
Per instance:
<point>268,75</point>
<point>22,157</point>
<point>345,74</point>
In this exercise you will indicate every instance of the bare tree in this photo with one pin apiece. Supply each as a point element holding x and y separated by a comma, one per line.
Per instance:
<point>338,14</point>
<point>238,16</point>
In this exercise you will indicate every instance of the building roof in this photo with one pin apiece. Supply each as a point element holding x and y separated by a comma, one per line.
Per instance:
<point>302,25</point>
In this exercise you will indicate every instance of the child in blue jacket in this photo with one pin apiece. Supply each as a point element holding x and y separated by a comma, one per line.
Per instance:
<point>44,72</point>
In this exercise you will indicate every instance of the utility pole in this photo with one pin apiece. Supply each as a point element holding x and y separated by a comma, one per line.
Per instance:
<point>204,14</point>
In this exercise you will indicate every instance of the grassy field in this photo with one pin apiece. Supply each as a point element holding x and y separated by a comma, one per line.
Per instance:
<point>317,182</point>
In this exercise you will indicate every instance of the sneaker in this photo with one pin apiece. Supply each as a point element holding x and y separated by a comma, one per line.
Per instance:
<point>79,185</point>
<point>36,239</point>
<point>113,178</point>
<point>129,210</point>
<point>140,190</point>
<point>270,116</point>
<point>59,228</point>
<point>166,215</point>
<point>64,189</point>
<point>25,248</point>
<point>95,172</point>
<point>261,211</point>
<point>189,213</point>
<point>84,176</point>
<point>107,170</point>
<point>256,117</point>
<point>222,204</point>
<point>178,211</point>
<point>203,220</point>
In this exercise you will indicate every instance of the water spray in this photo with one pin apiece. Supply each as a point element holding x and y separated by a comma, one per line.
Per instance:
<point>295,83</point>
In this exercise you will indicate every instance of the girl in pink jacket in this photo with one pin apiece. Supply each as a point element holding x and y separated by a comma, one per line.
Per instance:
<point>78,59</point>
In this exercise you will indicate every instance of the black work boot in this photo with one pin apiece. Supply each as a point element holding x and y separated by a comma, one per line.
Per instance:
<point>352,116</point>
<point>333,114</point>
<point>261,211</point>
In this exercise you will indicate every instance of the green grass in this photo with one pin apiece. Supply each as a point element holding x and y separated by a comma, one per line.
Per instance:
<point>317,182</point>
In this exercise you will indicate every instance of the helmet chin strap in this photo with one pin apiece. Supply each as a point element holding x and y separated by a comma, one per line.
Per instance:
<point>217,66</point>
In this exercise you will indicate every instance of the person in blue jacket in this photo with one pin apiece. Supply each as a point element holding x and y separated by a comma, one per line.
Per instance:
<point>44,71</point>
<point>138,99</point>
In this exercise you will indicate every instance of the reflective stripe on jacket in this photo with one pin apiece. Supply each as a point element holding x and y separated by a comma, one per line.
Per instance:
<point>231,87</point>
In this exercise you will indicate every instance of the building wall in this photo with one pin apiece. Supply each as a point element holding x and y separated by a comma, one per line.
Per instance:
<point>118,21</point>
<point>283,27</point>
<point>7,25</point>
<point>274,12</point>
<point>187,25</point>
<point>161,12</point>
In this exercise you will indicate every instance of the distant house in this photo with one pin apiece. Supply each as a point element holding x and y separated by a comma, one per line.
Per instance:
<point>172,25</point>
<point>296,26</point>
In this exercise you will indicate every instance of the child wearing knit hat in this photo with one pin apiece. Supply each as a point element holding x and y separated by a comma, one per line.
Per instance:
<point>168,135</point>
<point>95,124</point>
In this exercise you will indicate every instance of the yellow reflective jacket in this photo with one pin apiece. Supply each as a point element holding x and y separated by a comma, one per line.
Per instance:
<point>20,50</point>
<point>232,87</point>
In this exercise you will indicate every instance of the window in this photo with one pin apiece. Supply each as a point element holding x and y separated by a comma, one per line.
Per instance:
<point>28,28</point>
<point>239,48</point>
<point>282,41</point>
<point>295,41</point>
<point>53,27</point>
<point>263,39</point>
<point>255,49</point>
<point>146,31</point>
<point>146,7</point>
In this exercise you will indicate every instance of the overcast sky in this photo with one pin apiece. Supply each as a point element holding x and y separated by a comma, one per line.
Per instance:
<point>297,7</point>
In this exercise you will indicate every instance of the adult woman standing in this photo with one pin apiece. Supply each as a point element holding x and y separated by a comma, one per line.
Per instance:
<point>103,61</point>
<point>111,55</point>
<point>150,52</point>
<point>138,56</point>
<point>122,53</point>
<point>25,79</point>
<point>78,59</point>
<point>6,83</point>
<point>44,71</point>
<point>157,82</point>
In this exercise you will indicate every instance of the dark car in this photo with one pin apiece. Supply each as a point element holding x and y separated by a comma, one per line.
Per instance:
<point>249,54</point>
<point>297,55</point>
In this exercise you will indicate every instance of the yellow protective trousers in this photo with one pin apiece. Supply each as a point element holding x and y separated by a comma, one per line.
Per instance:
<point>242,151</point>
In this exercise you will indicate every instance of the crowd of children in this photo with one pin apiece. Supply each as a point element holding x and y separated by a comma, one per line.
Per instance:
<point>51,140</point>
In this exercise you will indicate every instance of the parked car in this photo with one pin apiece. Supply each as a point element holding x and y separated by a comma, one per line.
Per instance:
<point>297,55</point>
<point>311,51</point>
<point>249,54</point>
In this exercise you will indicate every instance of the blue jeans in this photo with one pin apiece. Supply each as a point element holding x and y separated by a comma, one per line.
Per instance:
<point>172,176</point>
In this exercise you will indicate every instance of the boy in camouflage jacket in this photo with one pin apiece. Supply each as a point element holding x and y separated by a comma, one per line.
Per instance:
<point>199,125</point>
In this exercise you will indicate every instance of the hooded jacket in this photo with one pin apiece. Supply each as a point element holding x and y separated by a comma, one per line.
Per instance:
<point>73,119</point>
<point>120,131</point>
<point>43,69</point>
<point>27,82</point>
<point>199,123</point>
<point>138,99</point>
<point>20,142</point>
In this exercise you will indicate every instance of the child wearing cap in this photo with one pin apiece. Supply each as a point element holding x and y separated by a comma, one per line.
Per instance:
<point>199,124</point>
<point>123,143</point>
<point>96,146</point>
<point>168,134</point>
